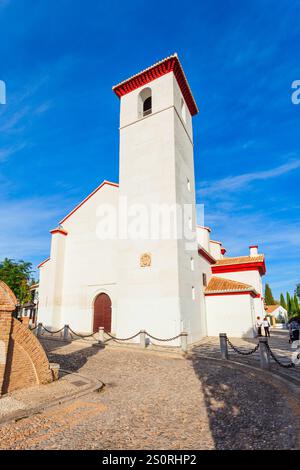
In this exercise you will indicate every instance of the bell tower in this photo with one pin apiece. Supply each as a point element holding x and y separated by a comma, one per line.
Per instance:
<point>159,285</point>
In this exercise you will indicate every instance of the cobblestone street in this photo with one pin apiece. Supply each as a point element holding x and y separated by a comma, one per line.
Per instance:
<point>153,401</point>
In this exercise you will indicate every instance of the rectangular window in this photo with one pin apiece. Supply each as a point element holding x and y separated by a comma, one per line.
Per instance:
<point>204,279</point>
<point>193,293</point>
<point>192,264</point>
<point>188,183</point>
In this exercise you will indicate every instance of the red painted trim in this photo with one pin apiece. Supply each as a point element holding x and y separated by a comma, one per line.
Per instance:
<point>232,293</point>
<point>213,241</point>
<point>223,251</point>
<point>205,228</point>
<point>206,255</point>
<point>43,262</point>
<point>59,230</point>
<point>253,246</point>
<point>233,268</point>
<point>88,197</point>
<point>170,64</point>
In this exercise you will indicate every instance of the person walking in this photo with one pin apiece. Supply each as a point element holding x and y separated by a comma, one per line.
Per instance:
<point>266,326</point>
<point>258,326</point>
<point>294,328</point>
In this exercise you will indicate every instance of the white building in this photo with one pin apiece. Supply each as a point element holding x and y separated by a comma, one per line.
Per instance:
<point>159,282</point>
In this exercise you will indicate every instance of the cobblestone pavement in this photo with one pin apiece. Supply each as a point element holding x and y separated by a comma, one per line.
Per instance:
<point>152,401</point>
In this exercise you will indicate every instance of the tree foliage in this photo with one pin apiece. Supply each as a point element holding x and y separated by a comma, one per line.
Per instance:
<point>18,276</point>
<point>269,299</point>
<point>282,301</point>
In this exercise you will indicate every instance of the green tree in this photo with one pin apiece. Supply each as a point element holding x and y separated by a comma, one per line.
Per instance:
<point>288,303</point>
<point>17,275</point>
<point>297,291</point>
<point>296,303</point>
<point>282,301</point>
<point>269,299</point>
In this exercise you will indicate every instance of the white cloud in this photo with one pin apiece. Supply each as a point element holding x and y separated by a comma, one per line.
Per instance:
<point>7,152</point>
<point>231,183</point>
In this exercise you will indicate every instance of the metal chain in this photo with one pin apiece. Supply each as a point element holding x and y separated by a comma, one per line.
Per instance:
<point>79,335</point>
<point>53,332</point>
<point>121,339</point>
<point>160,339</point>
<point>243,353</point>
<point>281,364</point>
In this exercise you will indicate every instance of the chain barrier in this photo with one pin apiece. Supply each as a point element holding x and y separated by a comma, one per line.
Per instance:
<point>281,364</point>
<point>72,332</point>
<point>160,339</point>
<point>53,332</point>
<point>243,353</point>
<point>79,335</point>
<point>121,339</point>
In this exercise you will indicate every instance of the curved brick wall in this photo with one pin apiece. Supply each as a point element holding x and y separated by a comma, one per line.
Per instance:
<point>23,361</point>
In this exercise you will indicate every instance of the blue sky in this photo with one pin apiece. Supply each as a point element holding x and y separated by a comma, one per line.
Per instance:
<point>59,128</point>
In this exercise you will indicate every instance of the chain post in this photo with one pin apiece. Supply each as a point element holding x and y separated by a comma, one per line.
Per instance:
<point>66,333</point>
<point>184,342</point>
<point>39,330</point>
<point>101,335</point>
<point>143,339</point>
<point>264,353</point>
<point>224,346</point>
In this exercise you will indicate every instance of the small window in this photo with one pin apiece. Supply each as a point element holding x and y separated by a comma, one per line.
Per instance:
<point>188,184</point>
<point>145,103</point>
<point>192,264</point>
<point>193,293</point>
<point>147,106</point>
<point>204,279</point>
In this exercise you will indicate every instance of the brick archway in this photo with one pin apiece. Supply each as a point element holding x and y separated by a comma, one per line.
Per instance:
<point>102,312</point>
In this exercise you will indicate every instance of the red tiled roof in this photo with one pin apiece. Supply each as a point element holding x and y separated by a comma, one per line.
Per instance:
<point>169,64</point>
<point>219,284</point>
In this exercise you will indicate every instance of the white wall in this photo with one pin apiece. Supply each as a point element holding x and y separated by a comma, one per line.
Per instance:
<point>87,267</point>
<point>231,314</point>
<point>156,159</point>
<point>215,249</point>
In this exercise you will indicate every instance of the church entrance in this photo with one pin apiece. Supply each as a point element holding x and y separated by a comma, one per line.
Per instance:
<point>102,313</point>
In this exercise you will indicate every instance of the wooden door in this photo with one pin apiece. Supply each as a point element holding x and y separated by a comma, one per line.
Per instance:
<point>102,313</point>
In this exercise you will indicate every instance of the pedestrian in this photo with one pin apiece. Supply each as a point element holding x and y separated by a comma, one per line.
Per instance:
<point>266,326</point>
<point>294,328</point>
<point>258,325</point>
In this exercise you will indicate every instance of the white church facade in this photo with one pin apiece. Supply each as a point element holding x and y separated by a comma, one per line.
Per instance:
<point>161,283</point>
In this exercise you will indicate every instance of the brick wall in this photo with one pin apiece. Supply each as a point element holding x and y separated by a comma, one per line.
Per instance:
<point>23,361</point>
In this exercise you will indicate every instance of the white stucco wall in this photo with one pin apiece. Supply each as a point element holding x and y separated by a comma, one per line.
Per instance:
<point>156,161</point>
<point>86,268</point>
<point>231,314</point>
<point>252,278</point>
<point>215,249</point>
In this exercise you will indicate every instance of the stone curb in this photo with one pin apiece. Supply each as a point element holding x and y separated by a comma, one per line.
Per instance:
<point>95,386</point>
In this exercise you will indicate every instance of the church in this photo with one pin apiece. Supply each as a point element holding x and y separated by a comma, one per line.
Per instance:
<point>122,261</point>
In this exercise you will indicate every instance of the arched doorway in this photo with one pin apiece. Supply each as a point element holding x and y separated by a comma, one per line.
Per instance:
<point>102,312</point>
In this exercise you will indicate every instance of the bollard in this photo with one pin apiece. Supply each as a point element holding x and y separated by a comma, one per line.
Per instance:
<point>223,345</point>
<point>143,339</point>
<point>66,333</point>
<point>264,353</point>
<point>183,338</point>
<point>55,370</point>
<point>39,330</point>
<point>101,335</point>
